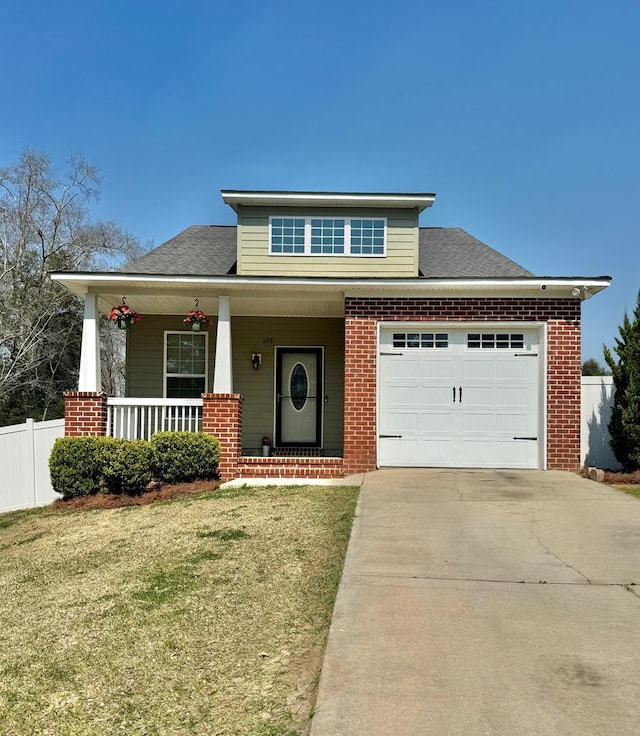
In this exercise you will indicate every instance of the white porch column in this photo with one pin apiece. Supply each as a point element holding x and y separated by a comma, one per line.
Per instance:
<point>90,375</point>
<point>222,372</point>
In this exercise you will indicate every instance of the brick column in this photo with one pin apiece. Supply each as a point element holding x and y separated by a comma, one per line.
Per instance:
<point>85,414</point>
<point>222,416</point>
<point>563,395</point>
<point>360,361</point>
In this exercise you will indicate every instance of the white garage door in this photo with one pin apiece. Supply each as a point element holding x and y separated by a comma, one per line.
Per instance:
<point>458,398</point>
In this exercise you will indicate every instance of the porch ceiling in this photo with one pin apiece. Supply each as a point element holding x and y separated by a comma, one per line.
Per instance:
<point>285,305</point>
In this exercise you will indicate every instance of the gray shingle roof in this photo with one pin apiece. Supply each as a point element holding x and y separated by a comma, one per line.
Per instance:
<point>450,252</point>
<point>210,250</point>
<point>200,250</point>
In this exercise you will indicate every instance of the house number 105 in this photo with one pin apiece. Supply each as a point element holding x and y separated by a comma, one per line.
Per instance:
<point>267,341</point>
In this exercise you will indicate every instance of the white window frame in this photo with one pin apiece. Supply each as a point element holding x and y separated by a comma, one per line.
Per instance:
<point>347,236</point>
<point>166,375</point>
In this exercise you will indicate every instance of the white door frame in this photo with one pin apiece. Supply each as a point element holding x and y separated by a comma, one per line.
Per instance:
<point>494,325</point>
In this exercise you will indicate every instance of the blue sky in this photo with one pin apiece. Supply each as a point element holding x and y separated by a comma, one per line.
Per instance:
<point>522,116</point>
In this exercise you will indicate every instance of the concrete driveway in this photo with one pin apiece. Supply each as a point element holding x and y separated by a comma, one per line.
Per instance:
<point>486,602</point>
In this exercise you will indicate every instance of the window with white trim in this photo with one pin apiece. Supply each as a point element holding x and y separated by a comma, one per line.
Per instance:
<point>439,340</point>
<point>328,236</point>
<point>185,372</point>
<point>499,340</point>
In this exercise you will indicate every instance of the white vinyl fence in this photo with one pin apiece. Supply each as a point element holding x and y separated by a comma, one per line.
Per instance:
<point>597,402</point>
<point>24,464</point>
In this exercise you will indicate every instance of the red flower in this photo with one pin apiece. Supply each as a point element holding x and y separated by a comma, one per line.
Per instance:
<point>123,313</point>
<point>199,317</point>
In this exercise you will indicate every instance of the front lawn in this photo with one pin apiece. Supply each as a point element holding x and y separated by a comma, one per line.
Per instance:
<point>204,615</point>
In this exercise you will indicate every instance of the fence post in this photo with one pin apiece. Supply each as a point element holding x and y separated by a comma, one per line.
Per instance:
<point>30,452</point>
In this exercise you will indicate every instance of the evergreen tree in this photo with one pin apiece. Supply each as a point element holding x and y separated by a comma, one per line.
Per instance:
<point>624,426</point>
<point>591,367</point>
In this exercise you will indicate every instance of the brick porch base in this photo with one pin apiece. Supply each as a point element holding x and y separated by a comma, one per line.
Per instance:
<point>290,467</point>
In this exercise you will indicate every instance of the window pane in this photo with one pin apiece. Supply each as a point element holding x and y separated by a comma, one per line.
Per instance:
<point>184,388</point>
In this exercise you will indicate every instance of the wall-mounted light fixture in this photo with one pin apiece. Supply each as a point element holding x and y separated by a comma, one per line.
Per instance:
<point>256,360</point>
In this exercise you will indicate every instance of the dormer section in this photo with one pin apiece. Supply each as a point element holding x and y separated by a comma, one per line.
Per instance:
<point>331,234</point>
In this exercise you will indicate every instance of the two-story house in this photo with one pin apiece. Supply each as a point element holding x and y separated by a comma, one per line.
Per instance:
<point>348,335</point>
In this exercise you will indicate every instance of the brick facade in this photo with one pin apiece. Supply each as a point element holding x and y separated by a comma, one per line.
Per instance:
<point>85,414</point>
<point>222,416</point>
<point>563,364</point>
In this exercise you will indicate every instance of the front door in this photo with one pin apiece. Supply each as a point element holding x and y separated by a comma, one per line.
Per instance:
<point>298,397</point>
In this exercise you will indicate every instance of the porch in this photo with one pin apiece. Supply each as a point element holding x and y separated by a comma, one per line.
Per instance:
<point>265,347</point>
<point>95,413</point>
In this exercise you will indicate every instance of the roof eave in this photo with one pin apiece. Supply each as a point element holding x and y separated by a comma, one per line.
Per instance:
<point>580,287</point>
<point>237,197</point>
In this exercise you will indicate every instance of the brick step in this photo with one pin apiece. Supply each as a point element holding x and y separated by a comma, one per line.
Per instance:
<point>290,467</point>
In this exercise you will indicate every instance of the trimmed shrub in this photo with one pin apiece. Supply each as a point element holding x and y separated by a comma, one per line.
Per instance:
<point>184,456</point>
<point>75,465</point>
<point>127,467</point>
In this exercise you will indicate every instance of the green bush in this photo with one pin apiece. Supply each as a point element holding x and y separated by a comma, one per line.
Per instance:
<point>184,456</point>
<point>75,465</point>
<point>127,467</point>
<point>624,426</point>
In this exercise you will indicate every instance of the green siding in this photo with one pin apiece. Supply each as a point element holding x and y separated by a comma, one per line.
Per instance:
<point>401,260</point>
<point>249,335</point>
<point>145,342</point>
<point>145,359</point>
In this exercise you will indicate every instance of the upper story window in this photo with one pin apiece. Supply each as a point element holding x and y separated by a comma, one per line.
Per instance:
<point>287,234</point>
<point>327,237</point>
<point>323,236</point>
<point>367,237</point>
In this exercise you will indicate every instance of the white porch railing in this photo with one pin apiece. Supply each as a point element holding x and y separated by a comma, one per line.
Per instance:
<point>138,419</point>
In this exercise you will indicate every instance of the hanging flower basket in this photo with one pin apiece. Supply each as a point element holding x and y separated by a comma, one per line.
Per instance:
<point>198,320</point>
<point>123,316</point>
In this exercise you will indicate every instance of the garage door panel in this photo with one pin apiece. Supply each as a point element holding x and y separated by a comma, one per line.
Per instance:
<point>403,452</point>
<point>402,367</point>
<point>436,452</point>
<point>475,423</point>
<point>513,424</point>
<point>516,369</point>
<point>477,396</point>
<point>507,397</point>
<point>400,422</point>
<point>500,401</point>
<point>515,454</point>
<point>435,423</point>
<point>476,453</point>
<point>477,370</point>
<point>434,396</point>
<point>439,369</point>
<point>408,395</point>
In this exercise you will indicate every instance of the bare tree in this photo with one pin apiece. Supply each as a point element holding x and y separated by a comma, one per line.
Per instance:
<point>45,225</point>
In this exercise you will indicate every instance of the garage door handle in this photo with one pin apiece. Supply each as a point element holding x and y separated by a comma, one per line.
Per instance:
<point>454,394</point>
<point>460,394</point>
<point>525,438</point>
<point>390,436</point>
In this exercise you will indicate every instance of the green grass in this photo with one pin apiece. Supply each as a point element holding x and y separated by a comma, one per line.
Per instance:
<point>630,490</point>
<point>205,615</point>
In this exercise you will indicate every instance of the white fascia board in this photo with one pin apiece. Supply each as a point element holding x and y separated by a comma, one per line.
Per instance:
<point>328,199</point>
<point>81,283</point>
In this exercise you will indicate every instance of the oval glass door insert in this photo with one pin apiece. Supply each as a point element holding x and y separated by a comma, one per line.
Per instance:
<point>299,386</point>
